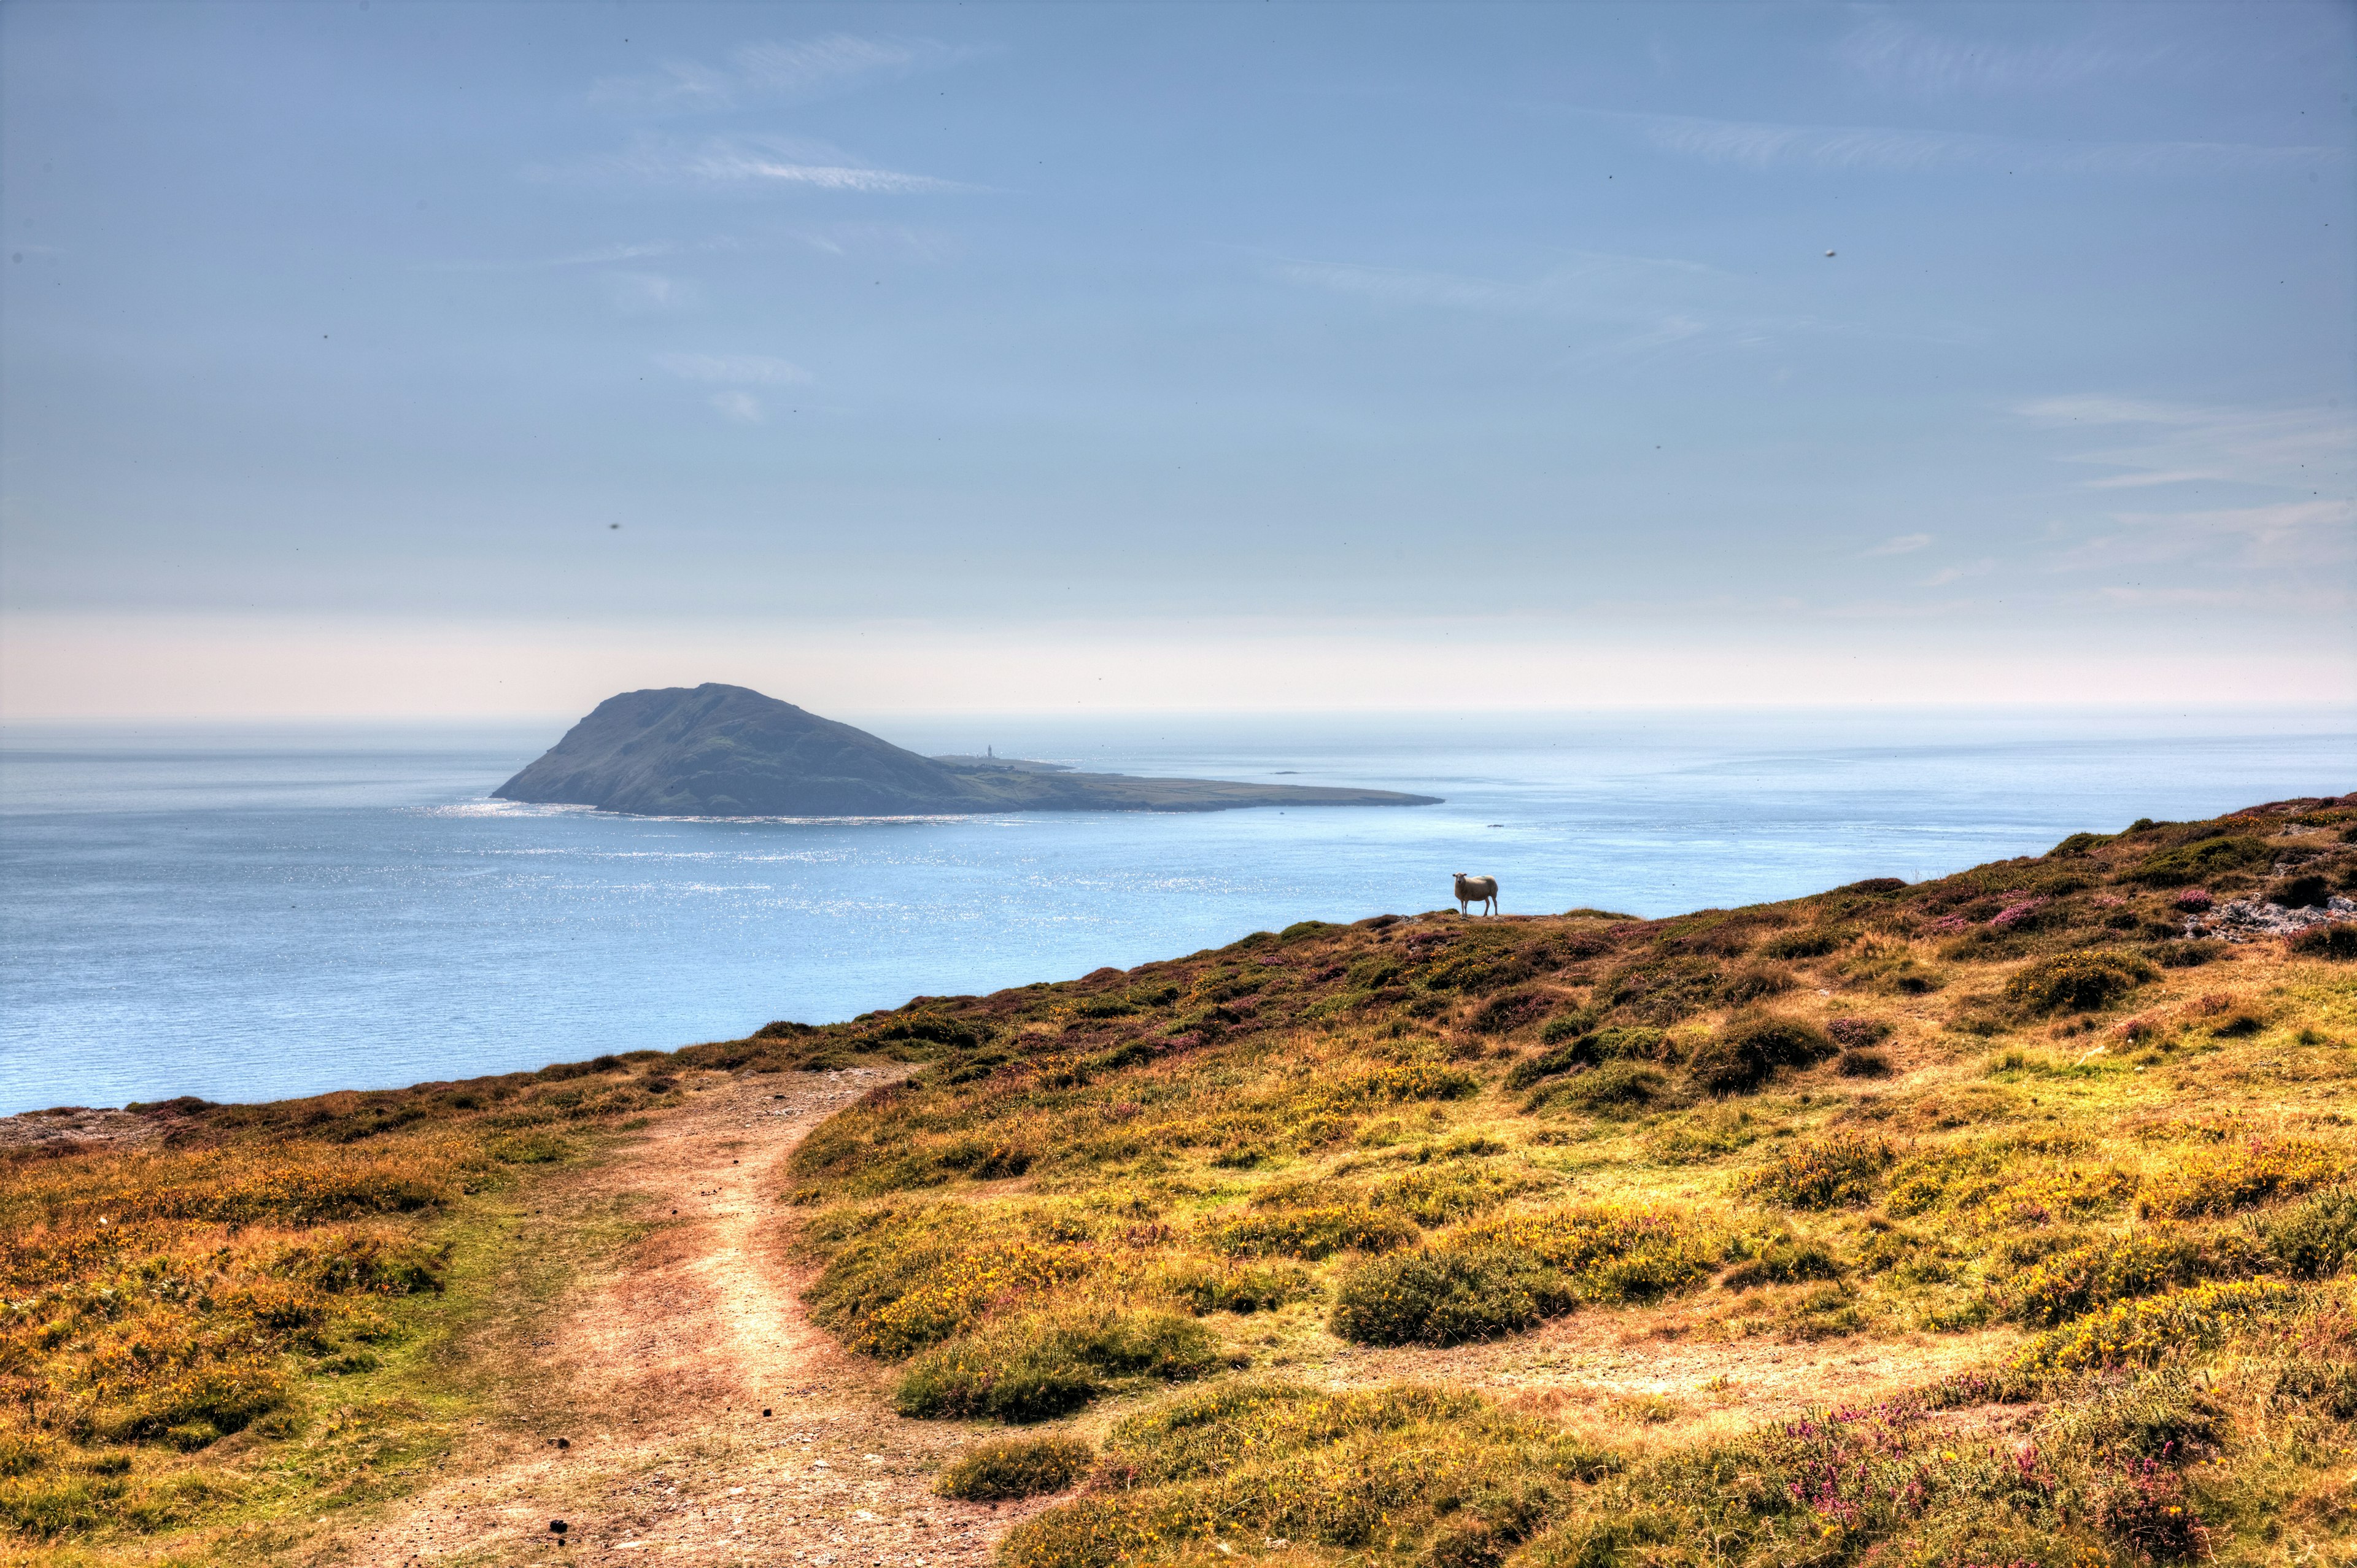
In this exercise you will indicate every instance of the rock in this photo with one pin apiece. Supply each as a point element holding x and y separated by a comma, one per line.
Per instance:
<point>2248,920</point>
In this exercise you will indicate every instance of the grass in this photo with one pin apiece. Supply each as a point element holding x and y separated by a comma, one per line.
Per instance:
<point>1006,1468</point>
<point>249,1319</point>
<point>1293,1231</point>
<point>1906,1116</point>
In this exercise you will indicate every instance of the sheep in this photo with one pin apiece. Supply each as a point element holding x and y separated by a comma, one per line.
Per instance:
<point>1476,890</point>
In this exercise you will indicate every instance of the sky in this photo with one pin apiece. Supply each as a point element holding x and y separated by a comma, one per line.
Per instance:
<point>405,360</point>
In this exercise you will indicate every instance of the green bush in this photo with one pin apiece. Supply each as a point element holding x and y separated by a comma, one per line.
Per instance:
<point>1617,1087</point>
<point>1862,1061</point>
<point>2080,982</point>
<point>2188,863</point>
<point>1749,1050</point>
<point>1033,1369</point>
<point>1567,1026</point>
<point>1006,1468</point>
<point>1447,1298</point>
<point>1309,1233</point>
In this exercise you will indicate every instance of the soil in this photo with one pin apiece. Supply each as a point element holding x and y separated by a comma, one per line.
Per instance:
<point>678,1407</point>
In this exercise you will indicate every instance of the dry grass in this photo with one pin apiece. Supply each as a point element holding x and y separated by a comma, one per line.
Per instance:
<point>1209,1211</point>
<point>1454,1131</point>
<point>213,1327</point>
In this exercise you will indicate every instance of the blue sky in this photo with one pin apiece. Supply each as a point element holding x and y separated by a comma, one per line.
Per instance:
<point>1205,356</point>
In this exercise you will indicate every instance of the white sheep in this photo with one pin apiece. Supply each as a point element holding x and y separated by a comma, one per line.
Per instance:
<point>1476,890</point>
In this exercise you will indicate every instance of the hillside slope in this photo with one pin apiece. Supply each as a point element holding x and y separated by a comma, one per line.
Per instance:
<point>1993,1219</point>
<point>1990,1219</point>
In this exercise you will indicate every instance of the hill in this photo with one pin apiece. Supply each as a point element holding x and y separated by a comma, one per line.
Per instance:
<point>727,751</point>
<point>2001,1219</point>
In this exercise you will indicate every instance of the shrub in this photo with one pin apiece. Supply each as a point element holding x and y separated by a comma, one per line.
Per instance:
<point>1860,1062</point>
<point>2310,891</point>
<point>2077,981</point>
<point>1855,1033</point>
<point>1836,1171</point>
<point>1207,1287</point>
<point>2239,1176</point>
<point>2144,1507</point>
<point>1755,981</point>
<point>1782,1263</point>
<point>1811,941</point>
<point>1309,1233</point>
<point>1508,1011</point>
<point>1447,1297</point>
<point>2316,1238</point>
<point>1705,1135</point>
<point>2144,1415</point>
<point>1033,1369</point>
<point>2077,1280</point>
<point>1565,1026</point>
<point>1438,1194</point>
<point>1749,1050</point>
<point>2190,863</point>
<point>2335,940</point>
<point>1611,1253</point>
<point>2186,953</point>
<point>1615,1089</point>
<point>2143,1332</point>
<point>1570,1056</point>
<point>1662,989</point>
<point>2193,900</point>
<point>1006,1468</point>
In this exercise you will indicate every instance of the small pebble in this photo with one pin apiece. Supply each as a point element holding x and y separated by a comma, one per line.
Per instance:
<point>558,1527</point>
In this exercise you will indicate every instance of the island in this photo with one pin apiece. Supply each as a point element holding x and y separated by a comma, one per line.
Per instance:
<point>728,751</point>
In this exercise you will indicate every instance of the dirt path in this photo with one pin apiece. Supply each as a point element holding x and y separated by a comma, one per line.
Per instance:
<point>702,1419</point>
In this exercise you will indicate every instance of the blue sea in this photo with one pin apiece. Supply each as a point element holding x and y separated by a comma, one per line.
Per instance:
<point>246,914</point>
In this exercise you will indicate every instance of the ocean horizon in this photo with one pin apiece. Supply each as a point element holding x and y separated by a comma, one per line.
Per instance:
<point>244,911</point>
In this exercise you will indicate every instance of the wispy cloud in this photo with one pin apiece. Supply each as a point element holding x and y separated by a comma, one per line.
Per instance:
<point>745,163</point>
<point>1903,544</point>
<point>733,370</point>
<point>1899,57</point>
<point>742,407</point>
<point>1947,574</point>
<point>1650,304</point>
<point>799,68</point>
<point>647,292</point>
<point>2151,442</point>
<point>1882,148</point>
<point>2288,471</point>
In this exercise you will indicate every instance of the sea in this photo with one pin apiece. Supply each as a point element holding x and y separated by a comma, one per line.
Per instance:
<point>251,913</point>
